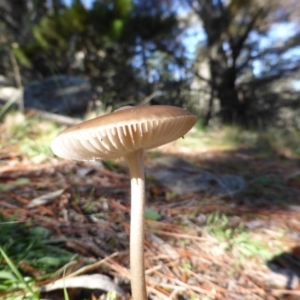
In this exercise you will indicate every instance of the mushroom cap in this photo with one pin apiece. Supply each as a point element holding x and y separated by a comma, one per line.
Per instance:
<point>123,132</point>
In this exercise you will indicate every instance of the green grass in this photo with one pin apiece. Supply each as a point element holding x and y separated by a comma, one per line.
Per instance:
<point>237,237</point>
<point>15,278</point>
<point>27,245</point>
<point>31,136</point>
<point>266,142</point>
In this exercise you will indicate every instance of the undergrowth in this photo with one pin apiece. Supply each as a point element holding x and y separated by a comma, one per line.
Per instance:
<point>31,136</point>
<point>26,250</point>
<point>266,142</point>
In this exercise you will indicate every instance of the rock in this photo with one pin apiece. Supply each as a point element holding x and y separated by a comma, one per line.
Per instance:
<point>10,93</point>
<point>180,177</point>
<point>66,95</point>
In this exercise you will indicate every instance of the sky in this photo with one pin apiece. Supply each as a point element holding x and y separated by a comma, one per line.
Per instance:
<point>86,3</point>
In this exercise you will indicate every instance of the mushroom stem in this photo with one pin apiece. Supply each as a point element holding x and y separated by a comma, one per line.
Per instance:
<point>138,198</point>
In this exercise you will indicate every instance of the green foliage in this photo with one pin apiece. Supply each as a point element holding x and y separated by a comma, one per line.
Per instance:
<point>15,279</point>
<point>116,29</point>
<point>112,37</point>
<point>37,32</point>
<point>123,8</point>
<point>32,136</point>
<point>26,244</point>
<point>128,49</point>
<point>22,57</point>
<point>152,215</point>
<point>236,237</point>
<point>265,143</point>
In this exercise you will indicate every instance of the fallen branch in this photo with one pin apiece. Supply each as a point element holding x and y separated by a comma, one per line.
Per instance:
<point>60,119</point>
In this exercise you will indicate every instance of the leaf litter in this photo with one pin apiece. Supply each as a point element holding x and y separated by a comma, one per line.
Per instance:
<point>198,245</point>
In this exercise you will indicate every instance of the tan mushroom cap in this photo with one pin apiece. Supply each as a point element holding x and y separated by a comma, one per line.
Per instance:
<point>123,132</point>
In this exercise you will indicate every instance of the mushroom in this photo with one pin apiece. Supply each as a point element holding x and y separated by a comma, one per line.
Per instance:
<point>127,133</point>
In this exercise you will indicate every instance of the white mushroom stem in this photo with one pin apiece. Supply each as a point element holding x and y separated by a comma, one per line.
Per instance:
<point>136,165</point>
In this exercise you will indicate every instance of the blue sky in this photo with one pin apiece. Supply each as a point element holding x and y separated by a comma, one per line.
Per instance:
<point>86,3</point>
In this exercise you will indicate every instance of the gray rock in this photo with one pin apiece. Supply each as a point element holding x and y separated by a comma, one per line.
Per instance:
<point>66,95</point>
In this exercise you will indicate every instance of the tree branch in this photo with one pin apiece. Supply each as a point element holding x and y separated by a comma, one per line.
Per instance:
<point>236,47</point>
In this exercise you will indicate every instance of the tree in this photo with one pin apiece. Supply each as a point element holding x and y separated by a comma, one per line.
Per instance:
<point>233,32</point>
<point>16,18</point>
<point>128,49</point>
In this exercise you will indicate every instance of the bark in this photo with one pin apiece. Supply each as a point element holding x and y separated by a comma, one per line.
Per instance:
<point>224,30</point>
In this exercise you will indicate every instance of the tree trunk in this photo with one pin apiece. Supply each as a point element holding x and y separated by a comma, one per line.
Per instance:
<point>232,110</point>
<point>230,106</point>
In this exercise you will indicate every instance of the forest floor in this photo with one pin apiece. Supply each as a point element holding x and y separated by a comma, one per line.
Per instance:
<point>62,219</point>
